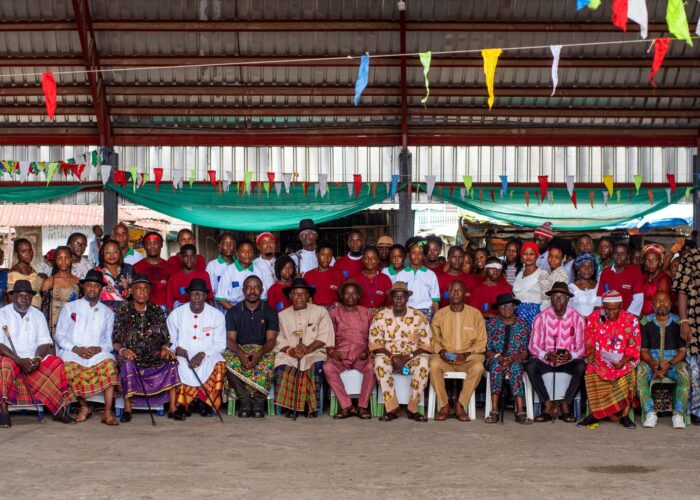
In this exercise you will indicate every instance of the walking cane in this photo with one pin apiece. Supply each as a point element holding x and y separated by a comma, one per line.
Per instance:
<point>554,388</point>
<point>143,386</point>
<point>297,384</point>
<point>506,345</point>
<point>24,377</point>
<point>205,392</point>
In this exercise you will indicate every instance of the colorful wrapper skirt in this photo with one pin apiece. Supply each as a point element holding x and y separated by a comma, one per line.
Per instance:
<point>309,383</point>
<point>527,311</point>
<point>85,381</point>
<point>609,398</point>
<point>48,384</point>
<point>157,382</point>
<point>259,378</point>
<point>212,389</point>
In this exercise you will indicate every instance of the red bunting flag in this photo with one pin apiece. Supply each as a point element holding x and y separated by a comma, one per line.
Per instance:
<point>452,190</point>
<point>493,196</point>
<point>48,84</point>
<point>374,190</point>
<point>619,14</point>
<point>573,199</point>
<point>241,188</point>
<point>306,188</point>
<point>64,168</point>
<point>259,189</point>
<point>357,181</point>
<point>120,177</point>
<point>544,182</point>
<point>660,48</point>
<point>77,169</point>
<point>158,173</point>
<point>651,196</point>
<point>481,195</point>
<point>271,178</point>
<point>672,182</point>
<point>527,198</point>
<point>591,195</point>
<point>212,177</point>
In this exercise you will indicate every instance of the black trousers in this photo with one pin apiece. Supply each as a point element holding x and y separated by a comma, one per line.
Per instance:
<point>244,391</point>
<point>535,368</point>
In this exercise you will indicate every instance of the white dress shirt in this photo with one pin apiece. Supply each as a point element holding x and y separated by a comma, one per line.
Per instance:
<point>204,332</point>
<point>265,270</point>
<point>215,269</point>
<point>424,285</point>
<point>81,325</point>
<point>306,260</point>
<point>27,333</point>
<point>230,286</point>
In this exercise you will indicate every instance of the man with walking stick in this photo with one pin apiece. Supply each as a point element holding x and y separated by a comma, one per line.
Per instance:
<point>306,331</point>
<point>198,339</point>
<point>28,374</point>
<point>148,370</point>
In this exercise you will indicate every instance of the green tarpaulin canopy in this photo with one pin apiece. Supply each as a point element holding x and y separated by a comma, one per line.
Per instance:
<point>36,194</point>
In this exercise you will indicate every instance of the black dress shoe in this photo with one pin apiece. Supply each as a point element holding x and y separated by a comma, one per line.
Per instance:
<point>125,418</point>
<point>5,420</point>
<point>258,409</point>
<point>178,415</point>
<point>627,423</point>
<point>589,420</point>
<point>64,418</point>
<point>246,405</point>
<point>695,420</point>
<point>205,411</point>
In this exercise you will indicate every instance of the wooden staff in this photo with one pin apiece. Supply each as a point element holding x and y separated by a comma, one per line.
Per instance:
<point>24,377</point>
<point>297,384</point>
<point>213,406</point>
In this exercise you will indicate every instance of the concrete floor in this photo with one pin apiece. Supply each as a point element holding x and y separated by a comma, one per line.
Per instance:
<point>322,458</point>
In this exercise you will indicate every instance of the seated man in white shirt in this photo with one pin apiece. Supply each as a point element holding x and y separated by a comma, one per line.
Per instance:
<point>84,338</point>
<point>198,339</point>
<point>25,360</point>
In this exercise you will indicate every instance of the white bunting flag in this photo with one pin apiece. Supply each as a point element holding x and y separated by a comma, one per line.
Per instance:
<point>351,189</point>
<point>556,52</point>
<point>697,27</point>
<point>105,172</point>
<point>570,184</point>
<point>637,12</point>
<point>462,193</point>
<point>287,178</point>
<point>322,185</point>
<point>605,198</point>
<point>278,188</point>
<point>24,170</point>
<point>317,188</point>
<point>668,194</point>
<point>430,185</point>
<point>227,181</point>
<point>177,178</point>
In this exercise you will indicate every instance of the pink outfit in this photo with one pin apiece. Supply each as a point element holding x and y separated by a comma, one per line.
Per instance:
<point>351,340</point>
<point>550,333</point>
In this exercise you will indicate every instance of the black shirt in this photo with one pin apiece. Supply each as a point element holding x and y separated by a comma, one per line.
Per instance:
<point>651,336</point>
<point>251,326</point>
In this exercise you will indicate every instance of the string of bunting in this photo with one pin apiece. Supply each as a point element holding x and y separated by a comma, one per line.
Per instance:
<point>622,11</point>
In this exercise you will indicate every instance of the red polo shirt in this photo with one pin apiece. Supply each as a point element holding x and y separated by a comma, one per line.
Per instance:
<point>158,275</point>
<point>484,296</point>
<point>176,263</point>
<point>375,291</point>
<point>326,284</point>
<point>628,282</point>
<point>348,266</point>
<point>444,281</point>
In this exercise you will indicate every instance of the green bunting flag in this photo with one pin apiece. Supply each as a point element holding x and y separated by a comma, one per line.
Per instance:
<point>677,21</point>
<point>425,58</point>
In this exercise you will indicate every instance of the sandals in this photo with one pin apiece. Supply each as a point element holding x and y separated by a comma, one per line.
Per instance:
<point>109,419</point>
<point>344,413</point>
<point>493,418</point>
<point>544,417</point>
<point>388,417</point>
<point>83,414</point>
<point>364,414</point>
<point>521,418</point>
<point>567,417</point>
<point>416,416</point>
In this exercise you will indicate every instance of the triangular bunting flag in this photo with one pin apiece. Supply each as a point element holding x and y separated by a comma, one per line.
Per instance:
<point>591,195</point>
<point>570,184</point>
<point>322,184</point>
<point>605,198</point>
<point>425,58</point>
<point>193,177</point>
<point>490,57</point>
<point>638,182</point>
<point>608,183</point>
<point>573,199</point>
<point>556,52</point>
<point>212,177</point>
<point>133,172</point>
<point>462,193</point>
<point>527,198</point>
<point>660,48</point>
<point>637,12</point>
<point>688,191</point>
<point>619,14</point>
<point>672,182</point>
<point>178,177</point>
<point>677,21</point>
<point>305,187</point>
<point>618,195</point>
<point>278,188</point>
<point>350,189</point>
<point>544,182</point>
<point>357,181</point>
<point>467,179</point>
<point>24,168</point>
<point>394,186</point>
<point>504,185</point>
<point>119,177</point>
<point>105,172</point>
<point>226,185</point>
<point>374,190</point>
<point>158,176</point>
<point>287,180</point>
<point>429,185</point>
<point>247,178</point>
<point>316,190</point>
<point>362,78</point>
<point>493,195</point>
<point>668,195</point>
<point>650,193</point>
<point>48,85</point>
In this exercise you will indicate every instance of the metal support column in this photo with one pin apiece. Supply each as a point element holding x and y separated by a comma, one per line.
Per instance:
<point>109,198</point>
<point>696,192</point>
<point>404,229</point>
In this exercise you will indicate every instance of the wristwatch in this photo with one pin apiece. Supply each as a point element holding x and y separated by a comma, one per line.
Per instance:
<point>410,356</point>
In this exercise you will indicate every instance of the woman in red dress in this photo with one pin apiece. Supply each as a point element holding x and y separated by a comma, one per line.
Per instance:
<point>655,279</point>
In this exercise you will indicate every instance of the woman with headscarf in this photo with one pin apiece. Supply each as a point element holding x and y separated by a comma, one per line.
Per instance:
<point>585,285</point>
<point>526,286</point>
<point>655,279</point>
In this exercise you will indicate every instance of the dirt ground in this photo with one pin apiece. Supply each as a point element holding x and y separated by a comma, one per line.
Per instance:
<point>326,458</point>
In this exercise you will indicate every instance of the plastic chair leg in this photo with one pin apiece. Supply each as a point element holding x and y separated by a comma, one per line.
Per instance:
<point>270,407</point>
<point>231,407</point>
<point>334,405</point>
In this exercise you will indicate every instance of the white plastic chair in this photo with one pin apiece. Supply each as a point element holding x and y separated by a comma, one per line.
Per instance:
<point>529,409</point>
<point>402,388</point>
<point>352,381</point>
<point>119,407</point>
<point>33,408</point>
<point>432,396</point>
<point>563,380</point>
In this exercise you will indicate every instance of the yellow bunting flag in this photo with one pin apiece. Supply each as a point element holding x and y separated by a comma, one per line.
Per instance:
<point>490,61</point>
<point>247,179</point>
<point>425,58</point>
<point>677,21</point>
<point>609,183</point>
<point>467,179</point>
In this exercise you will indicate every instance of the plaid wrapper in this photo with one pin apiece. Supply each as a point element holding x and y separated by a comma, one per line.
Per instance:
<point>212,386</point>
<point>608,398</point>
<point>86,381</point>
<point>286,380</point>
<point>48,384</point>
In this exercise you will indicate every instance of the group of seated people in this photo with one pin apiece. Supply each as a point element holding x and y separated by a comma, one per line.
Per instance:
<point>190,335</point>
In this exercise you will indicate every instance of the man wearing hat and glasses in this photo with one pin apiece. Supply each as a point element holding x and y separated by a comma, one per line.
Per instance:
<point>25,346</point>
<point>306,331</point>
<point>613,345</point>
<point>557,345</point>
<point>459,342</point>
<point>305,259</point>
<point>198,339</point>
<point>84,336</point>
<point>506,352</point>
<point>399,336</point>
<point>351,324</point>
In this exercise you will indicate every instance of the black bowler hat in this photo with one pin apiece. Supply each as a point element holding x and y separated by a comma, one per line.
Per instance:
<point>307,225</point>
<point>298,283</point>
<point>93,276</point>
<point>559,287</point>
<point>505,298</point>
<point>197,285</point>
<point>22,286</point>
